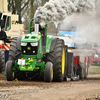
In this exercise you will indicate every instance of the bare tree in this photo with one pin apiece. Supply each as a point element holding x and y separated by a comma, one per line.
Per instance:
<point>17,6</point>
<point>25,9</point>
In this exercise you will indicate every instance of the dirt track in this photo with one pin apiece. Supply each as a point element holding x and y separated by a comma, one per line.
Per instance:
<point>30,90</point>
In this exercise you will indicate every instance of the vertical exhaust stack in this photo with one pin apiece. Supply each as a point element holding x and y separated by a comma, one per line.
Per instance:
<point>36,28</point>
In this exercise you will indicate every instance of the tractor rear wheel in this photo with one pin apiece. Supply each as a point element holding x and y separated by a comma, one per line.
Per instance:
<point>48,74</point>
<point>57,57</point>
<point>9,71</point>
<point>1,60</point>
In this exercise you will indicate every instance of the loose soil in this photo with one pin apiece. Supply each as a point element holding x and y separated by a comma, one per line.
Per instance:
<point>86,89</point>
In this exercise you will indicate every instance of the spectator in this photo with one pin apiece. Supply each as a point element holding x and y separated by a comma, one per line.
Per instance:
<point>3,36</point>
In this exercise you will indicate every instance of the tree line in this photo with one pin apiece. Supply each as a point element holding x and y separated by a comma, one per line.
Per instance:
<point>25,9</point>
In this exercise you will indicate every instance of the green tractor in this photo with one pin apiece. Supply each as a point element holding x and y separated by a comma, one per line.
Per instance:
<point>35,54</point>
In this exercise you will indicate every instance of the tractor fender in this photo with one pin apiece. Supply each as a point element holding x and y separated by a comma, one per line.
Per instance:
<point>19,42</point>
<point>53,42</point>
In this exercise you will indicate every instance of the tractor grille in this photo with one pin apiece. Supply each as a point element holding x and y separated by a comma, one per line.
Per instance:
<point>29,50</point>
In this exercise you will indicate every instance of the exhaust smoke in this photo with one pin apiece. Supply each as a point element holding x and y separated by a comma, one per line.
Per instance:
<point>57,10</point>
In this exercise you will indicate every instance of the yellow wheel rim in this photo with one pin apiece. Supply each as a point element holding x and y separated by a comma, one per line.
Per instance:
<point>63,60</point>
<point>13,72</point>
<point>52,73</point>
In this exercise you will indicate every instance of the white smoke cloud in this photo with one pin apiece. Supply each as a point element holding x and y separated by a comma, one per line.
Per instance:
<point>90,26</point>
<point>86,26</point>
<point>57,10</point>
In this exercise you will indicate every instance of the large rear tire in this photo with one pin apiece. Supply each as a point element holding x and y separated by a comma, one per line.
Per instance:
<point>57,57</point>
<point>48,74</point>
<point>2,62</point>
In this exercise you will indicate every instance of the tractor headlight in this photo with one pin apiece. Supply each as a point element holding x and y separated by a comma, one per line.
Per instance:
<point>34,44</point>
<point>23,44</point>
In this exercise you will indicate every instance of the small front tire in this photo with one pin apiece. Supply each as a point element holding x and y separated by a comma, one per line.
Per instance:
<point>9,71</point>
<point>48,74</point>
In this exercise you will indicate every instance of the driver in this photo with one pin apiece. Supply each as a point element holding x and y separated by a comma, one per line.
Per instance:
<point>42,30</point>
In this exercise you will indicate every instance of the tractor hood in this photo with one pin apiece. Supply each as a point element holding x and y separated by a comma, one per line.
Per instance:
<point>31,37</point>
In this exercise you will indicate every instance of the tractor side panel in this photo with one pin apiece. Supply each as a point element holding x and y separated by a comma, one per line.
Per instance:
<point>70,65</point>
<point>50,43</point>
<point>19,42</point>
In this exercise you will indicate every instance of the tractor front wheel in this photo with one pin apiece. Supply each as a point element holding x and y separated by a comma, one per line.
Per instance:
<point>48,74</point>
<point>9,71</point>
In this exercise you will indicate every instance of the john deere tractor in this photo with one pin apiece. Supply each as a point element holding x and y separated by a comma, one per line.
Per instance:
<point>36,54</point>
